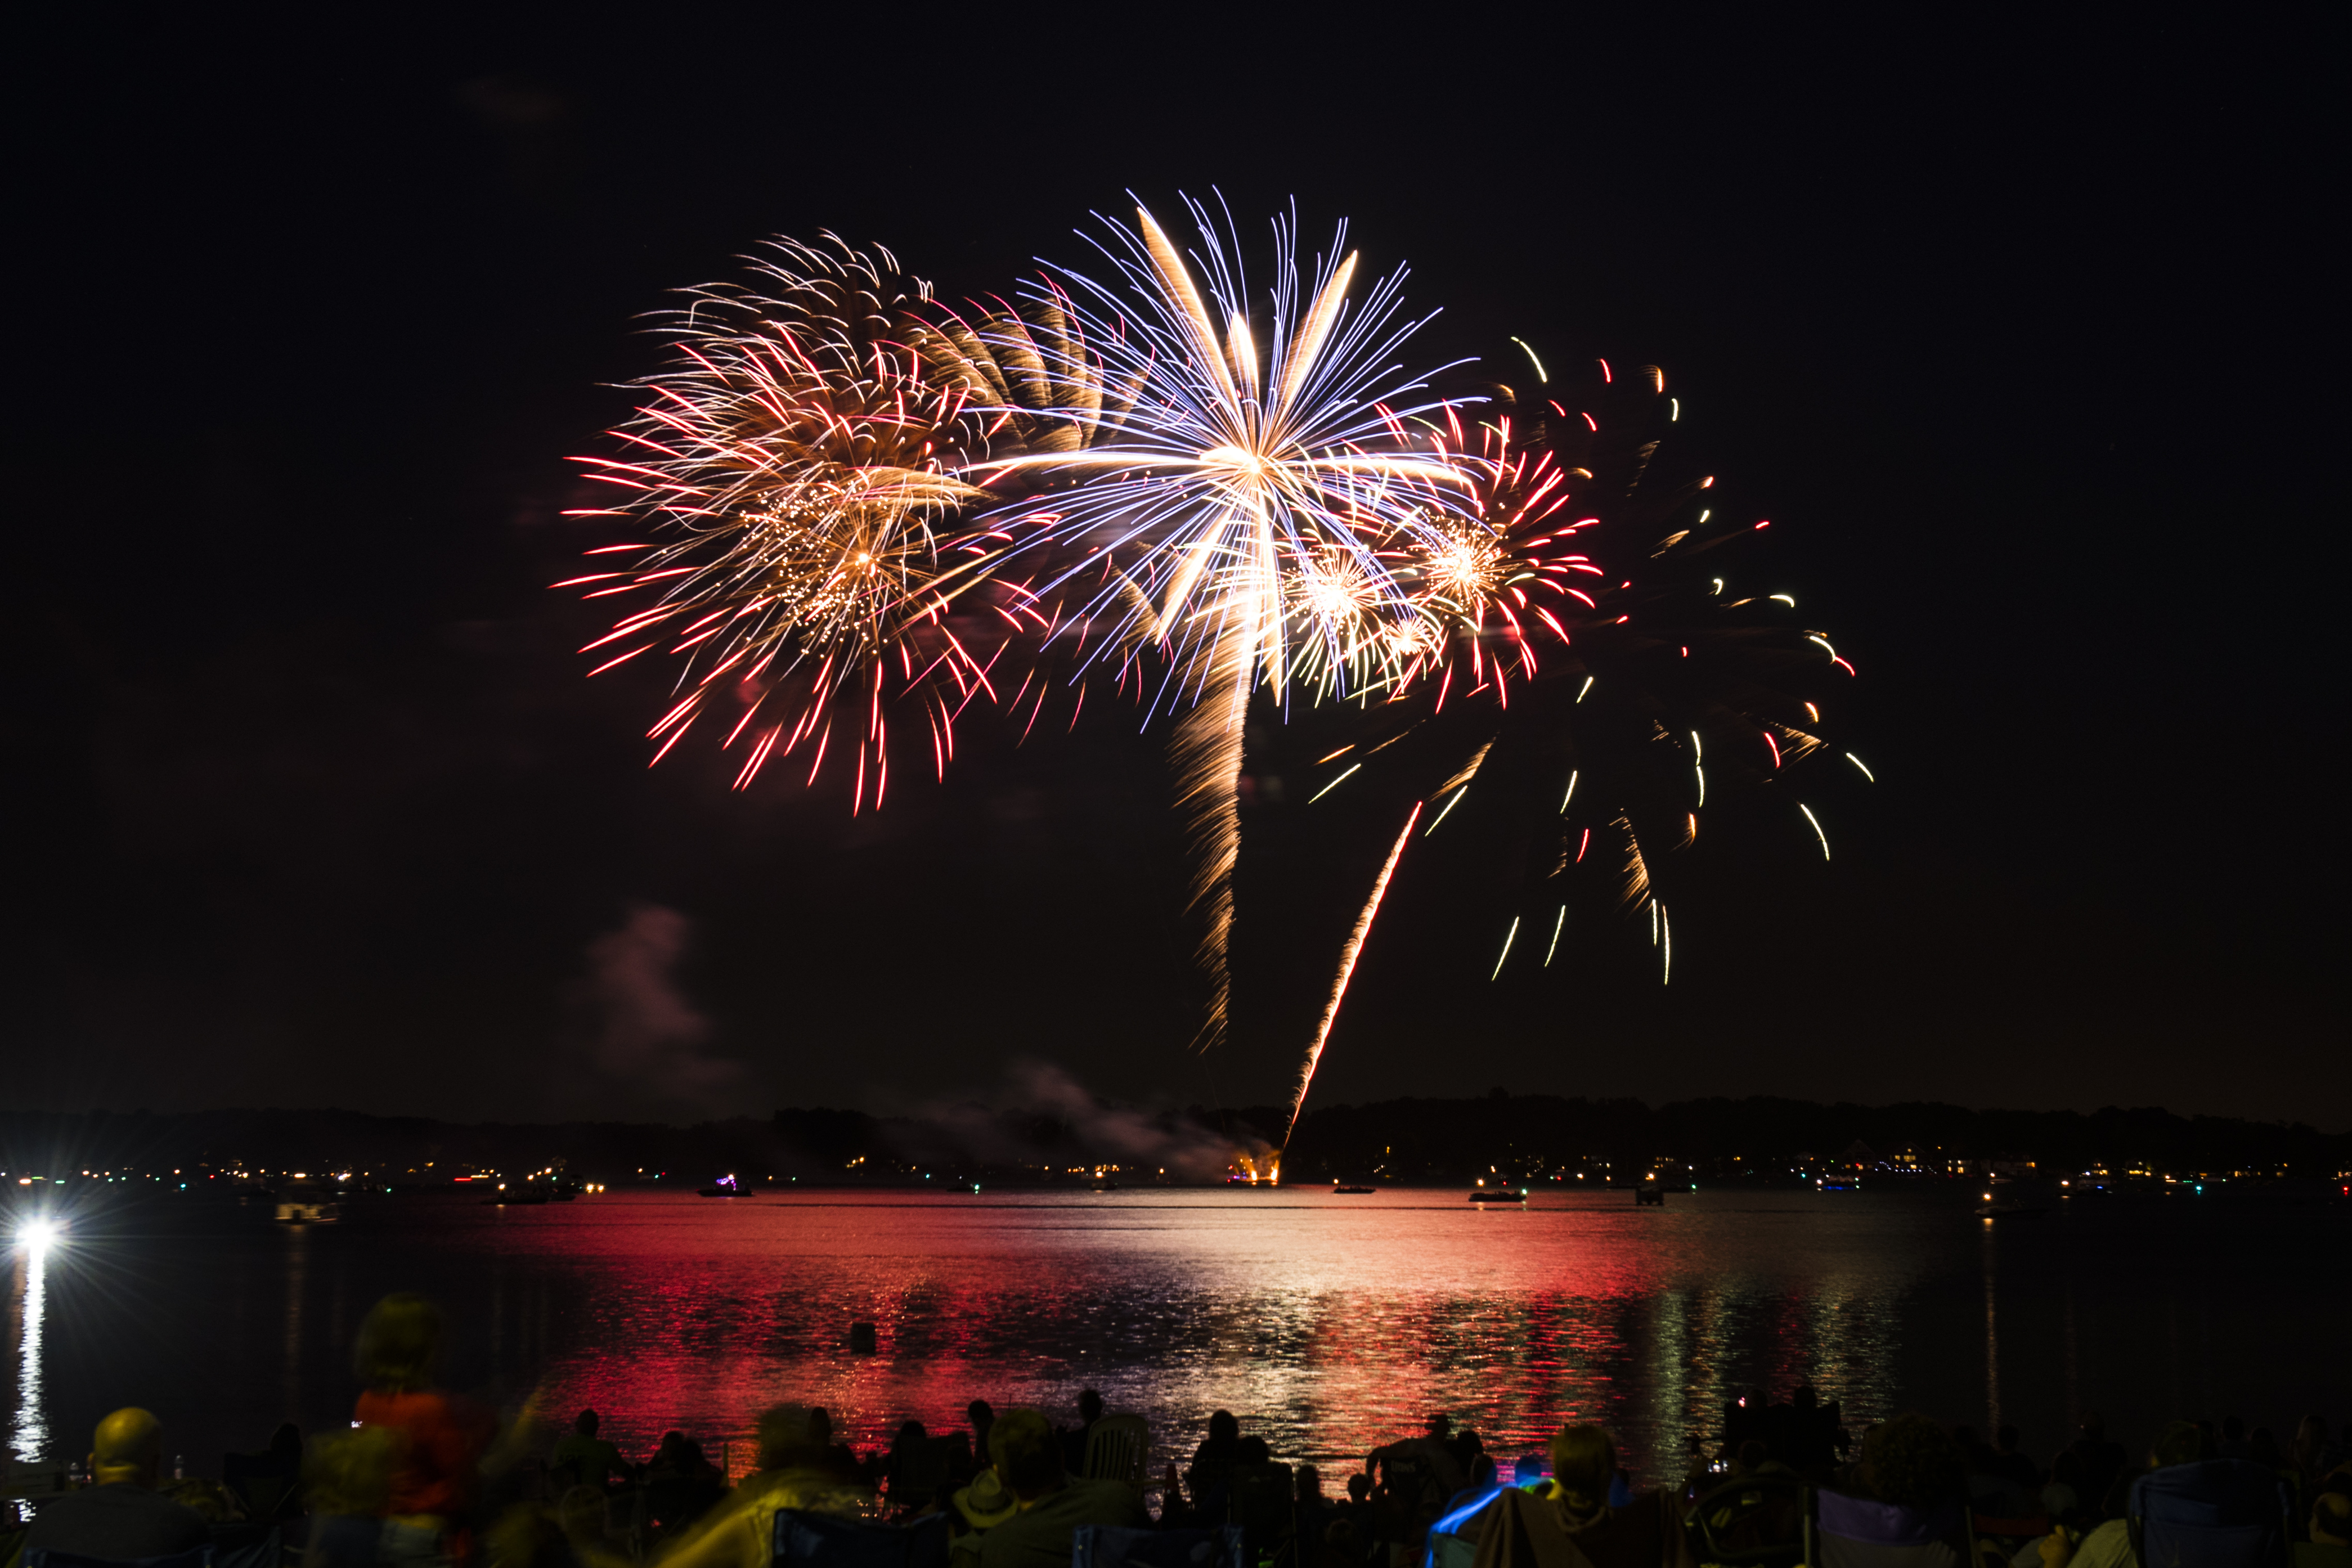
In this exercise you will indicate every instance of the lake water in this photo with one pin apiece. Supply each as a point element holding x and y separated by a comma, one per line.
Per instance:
<point>1328,1324</point>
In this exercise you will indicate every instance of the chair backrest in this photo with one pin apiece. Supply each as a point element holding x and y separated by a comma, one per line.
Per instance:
<point>1117,1449</point>
<point>267,1483</point>
<point>193,1557</point>
<point>821,1541</point>
<point>1845,1531</point>
<point>1751,1519</point>
<point>1447,1550</point>
<point>1113,1546</point>
<point>2026,1527</point>
<point>2219,1514</point>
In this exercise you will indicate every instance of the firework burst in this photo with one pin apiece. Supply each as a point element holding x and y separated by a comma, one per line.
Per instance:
<point>791,464</point>
<point>1220,516</point>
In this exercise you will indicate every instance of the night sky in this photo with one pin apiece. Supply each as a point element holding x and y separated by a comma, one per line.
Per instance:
<point>2025,329</point>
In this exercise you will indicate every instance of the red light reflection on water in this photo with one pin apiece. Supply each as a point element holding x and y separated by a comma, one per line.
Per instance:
<point>1330,1325</point>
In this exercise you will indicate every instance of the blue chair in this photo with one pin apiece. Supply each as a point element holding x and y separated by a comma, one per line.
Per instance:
<point>1842,1532</point>
<point>821,1541</point>
<point>1114,1546</point>
<point>2219,1514</point>
<point>193,1557</point>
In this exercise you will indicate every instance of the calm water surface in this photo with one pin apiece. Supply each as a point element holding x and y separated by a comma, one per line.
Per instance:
<point>1328,1324</point>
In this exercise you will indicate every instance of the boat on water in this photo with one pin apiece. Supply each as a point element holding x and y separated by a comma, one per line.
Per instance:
<point>725,1187</point>
<point>1484,1193</point>
<point>519,1197</point>
<point>307,1202</point>
<point>1338,1187</point>
<point>1996,1208</point>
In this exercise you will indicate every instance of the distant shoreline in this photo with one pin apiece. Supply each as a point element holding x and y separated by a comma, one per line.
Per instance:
<point>1756,1141</point>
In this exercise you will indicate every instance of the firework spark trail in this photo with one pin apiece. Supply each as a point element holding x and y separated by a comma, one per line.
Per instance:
<point>1206,750</point>
<point>1347,967</point>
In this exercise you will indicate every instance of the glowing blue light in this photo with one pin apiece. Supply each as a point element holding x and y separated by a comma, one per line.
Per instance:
<point>1460,1516</point>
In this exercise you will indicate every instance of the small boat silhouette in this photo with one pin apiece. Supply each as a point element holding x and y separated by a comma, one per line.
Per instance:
<point>1990,1209</point>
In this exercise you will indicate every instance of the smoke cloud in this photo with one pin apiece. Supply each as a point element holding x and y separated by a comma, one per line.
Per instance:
<point>1044,1113</point>
<point>649,1032</point>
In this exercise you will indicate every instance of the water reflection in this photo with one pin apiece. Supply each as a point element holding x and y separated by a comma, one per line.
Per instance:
<point>1329,1332</point>
<point>28,1431</point>
<point>298,1277</point>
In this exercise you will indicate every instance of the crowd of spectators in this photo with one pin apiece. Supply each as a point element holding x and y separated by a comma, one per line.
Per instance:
<point>423,1479</point>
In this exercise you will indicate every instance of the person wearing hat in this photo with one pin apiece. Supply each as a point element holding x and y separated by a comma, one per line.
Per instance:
<point>983,1505</point>
<point>1050,1506</point>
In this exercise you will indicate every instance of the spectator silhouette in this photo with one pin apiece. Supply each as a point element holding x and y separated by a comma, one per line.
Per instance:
<point>2012,1465</point>
<point>584,1458</point>
<point>839,1458</point>
<point>2101,1461</point>
<point>1208,1478</point>
<point>120,1516</point>
<point>1991,1488</point>
<point>2109,1546</point>
<point>681,1485</point>
<point>1434,1451</point>
<point>981,1417</point>
<point>441,1438</point>
<point>1074,1442</point>
<point>1052,1506</point>
<point>1312,1512</point>
<point>795,1472</point>
<point>1816,1431</point>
